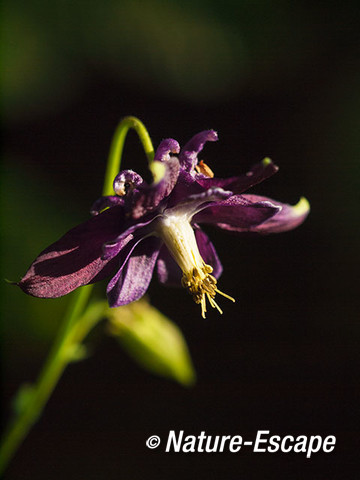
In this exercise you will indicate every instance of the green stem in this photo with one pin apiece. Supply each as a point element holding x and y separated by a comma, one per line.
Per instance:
<point>48,379</point>
<point>78,320</point>
<point>117,146</point>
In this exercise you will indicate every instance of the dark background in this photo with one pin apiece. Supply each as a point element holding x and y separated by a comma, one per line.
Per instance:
<point>278,79</point>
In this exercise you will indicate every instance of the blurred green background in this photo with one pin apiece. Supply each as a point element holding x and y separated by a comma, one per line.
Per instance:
<point>278,79</point>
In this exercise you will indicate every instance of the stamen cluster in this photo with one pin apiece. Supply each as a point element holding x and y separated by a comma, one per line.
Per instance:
<point>201,285</point>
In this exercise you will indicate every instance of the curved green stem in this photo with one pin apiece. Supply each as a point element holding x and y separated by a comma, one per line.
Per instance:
<point>117,146</point>
<point>78,321</point>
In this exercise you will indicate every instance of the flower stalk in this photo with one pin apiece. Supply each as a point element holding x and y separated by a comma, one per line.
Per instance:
<point>117,146</point>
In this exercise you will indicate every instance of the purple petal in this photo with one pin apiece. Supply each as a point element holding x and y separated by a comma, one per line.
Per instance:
<point>149,196</point>
<point>121,261</point>
<point>197,202</point>
<point>169,272</point>
<point>188,155</point>
<point>114,246</point>
<point>287,218</point>
<point>237,185</point>
<point>237,213</point>
<point>75,259</point>
<point>185,186</point>
<point>166,147</point>
<point>105,202</point>
<point>208,252</point>
<point>133,278</point>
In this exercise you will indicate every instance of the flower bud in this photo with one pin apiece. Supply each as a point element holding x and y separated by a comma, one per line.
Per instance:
<point>152,340</point>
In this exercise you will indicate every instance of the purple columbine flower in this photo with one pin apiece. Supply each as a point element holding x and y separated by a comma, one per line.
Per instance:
<point>143,225</point>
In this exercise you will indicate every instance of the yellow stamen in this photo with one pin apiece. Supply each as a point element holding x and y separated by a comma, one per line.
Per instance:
<point>225,295</point>
<point>202,285</point>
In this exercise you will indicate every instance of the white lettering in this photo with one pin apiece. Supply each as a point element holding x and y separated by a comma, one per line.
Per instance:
<point>274,441</point>
<point>283,443</point>
<point>201,438</point>
<point>311,442</point>
<point>330,440</point>
<point>201,443</point>
<point>224,439</point>
<point>172,438</point>
<point>189,444</point>
<point>259,440</point>
<point>213,448</point>
<point>235,443</point>
<point>300,445</point>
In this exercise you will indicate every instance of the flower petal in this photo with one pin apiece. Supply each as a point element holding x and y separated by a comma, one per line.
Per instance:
<point>208,252</point>
<point>195,203</point>
<point>121,260</point>
<point>188,155</point>
<point>287,218</point>
<point>149,196</point>
<point>75,259</point>
<point>114,246</point>
<point>105,202</point>
<point>132,280</point>
<point>167,146</point>
<point>237,185</point>
<point>169,272</point>
<point>186,185</point>
<point>237,213</point>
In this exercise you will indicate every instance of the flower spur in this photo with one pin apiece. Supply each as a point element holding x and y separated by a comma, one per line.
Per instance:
<point>142,226</point>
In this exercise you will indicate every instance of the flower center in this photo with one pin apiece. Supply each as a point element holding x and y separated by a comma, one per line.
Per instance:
<point>179,237</point>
